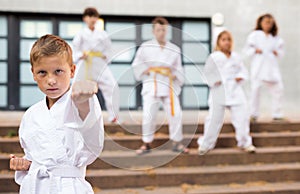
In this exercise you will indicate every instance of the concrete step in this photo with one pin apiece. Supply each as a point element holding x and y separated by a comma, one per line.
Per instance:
<point>163,177</point>
<point>188,128</point>
<point>166,158</point>
<point>7,183</point>
<point>132,142</point>
<point>125,142</point>
<point>170,177</point>
<point>198,128</point>
<point>233,188</point>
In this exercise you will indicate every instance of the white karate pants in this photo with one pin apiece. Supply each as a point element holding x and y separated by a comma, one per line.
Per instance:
<point>276,90</point>
<point>151,106</point>
<point>214,122</point>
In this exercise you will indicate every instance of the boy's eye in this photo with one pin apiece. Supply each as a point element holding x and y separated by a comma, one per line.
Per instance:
<point>41,72</point>
<point>58,71</point>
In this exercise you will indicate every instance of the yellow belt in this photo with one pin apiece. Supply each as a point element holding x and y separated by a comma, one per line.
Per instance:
<point>89,61</point>
<point>166,72</point>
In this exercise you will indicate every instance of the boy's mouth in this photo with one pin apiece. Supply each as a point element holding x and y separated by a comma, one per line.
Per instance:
<point>52,89</point>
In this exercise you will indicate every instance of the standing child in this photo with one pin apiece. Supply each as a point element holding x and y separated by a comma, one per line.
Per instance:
<point>265,48</point>
<point>92,50</point>
<point>63,133</point>
<point>225,73</point>
<point>158,64</point>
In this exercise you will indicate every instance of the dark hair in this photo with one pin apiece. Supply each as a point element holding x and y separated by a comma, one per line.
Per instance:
<point>50,45</point>
<point>274,29</point>
<point>160,20</point>
<point>91,11</point>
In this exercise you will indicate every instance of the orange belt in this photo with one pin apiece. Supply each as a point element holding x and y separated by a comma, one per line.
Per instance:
<point>166,72</point>
<point>89,61</point>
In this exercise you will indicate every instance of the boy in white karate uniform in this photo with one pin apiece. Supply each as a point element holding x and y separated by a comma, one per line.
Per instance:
<point>225,72</point>
<point>265,48</point>
<point>92,50</point>
<point>158,64</point>
<point>63,133</point>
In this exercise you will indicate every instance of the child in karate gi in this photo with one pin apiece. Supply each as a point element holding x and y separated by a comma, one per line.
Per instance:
<point>225,72</point>
<point>63,133</point>
<point>158,65</point>
<point>265,47</point>
<point>92,50</point>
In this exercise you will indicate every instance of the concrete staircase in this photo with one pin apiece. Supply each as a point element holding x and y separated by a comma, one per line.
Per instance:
<point>275,168</point>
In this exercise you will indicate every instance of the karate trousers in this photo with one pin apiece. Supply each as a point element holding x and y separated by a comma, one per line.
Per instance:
<point>276,90</point>
<point>214,122</point>
<point>151,105</point>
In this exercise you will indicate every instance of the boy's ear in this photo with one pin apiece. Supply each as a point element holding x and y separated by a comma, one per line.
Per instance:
<point>33,75</point>
<point>73,68</point>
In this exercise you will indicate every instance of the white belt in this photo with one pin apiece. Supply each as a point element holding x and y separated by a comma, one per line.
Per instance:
<point>38,172</point>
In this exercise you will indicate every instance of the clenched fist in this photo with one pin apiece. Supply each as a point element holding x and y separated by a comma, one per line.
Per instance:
<point>17,163</point>
<point>81,92</point>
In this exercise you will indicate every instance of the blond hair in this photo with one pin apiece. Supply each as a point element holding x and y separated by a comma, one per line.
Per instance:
<point>48,46</point>
<point>217,48</point>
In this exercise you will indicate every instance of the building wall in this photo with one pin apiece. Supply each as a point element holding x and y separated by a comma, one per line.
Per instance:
<point>240,16</point>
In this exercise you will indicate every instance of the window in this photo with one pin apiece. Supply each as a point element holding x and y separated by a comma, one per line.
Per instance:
<point>127,33</point>
<point>68,29</point>
<point>123,36</point>
<point>3,62</point>
<point>121,30</point>
<point>123,51</point>
<point>30,31</point>
<point>195,31</point>
<point>35,28</point>
<point>195,50</point>
<point>3,96</point>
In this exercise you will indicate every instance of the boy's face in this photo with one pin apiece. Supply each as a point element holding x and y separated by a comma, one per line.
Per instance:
<point>53,75</point>
<point>90,21</point>
<point>160,32</point>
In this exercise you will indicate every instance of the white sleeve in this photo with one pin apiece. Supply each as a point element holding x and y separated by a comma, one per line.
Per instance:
<point>108,48</point>
<point>280,48</point>
<point>77,48</point>
<point>138,65</point>
<point>250,47</point>
<point>19,175</point>
<point>211,73</point>
<point>178,71</point>
<point>91,129</point>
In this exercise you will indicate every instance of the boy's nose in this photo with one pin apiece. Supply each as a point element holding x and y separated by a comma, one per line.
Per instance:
<point>51,80</point>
